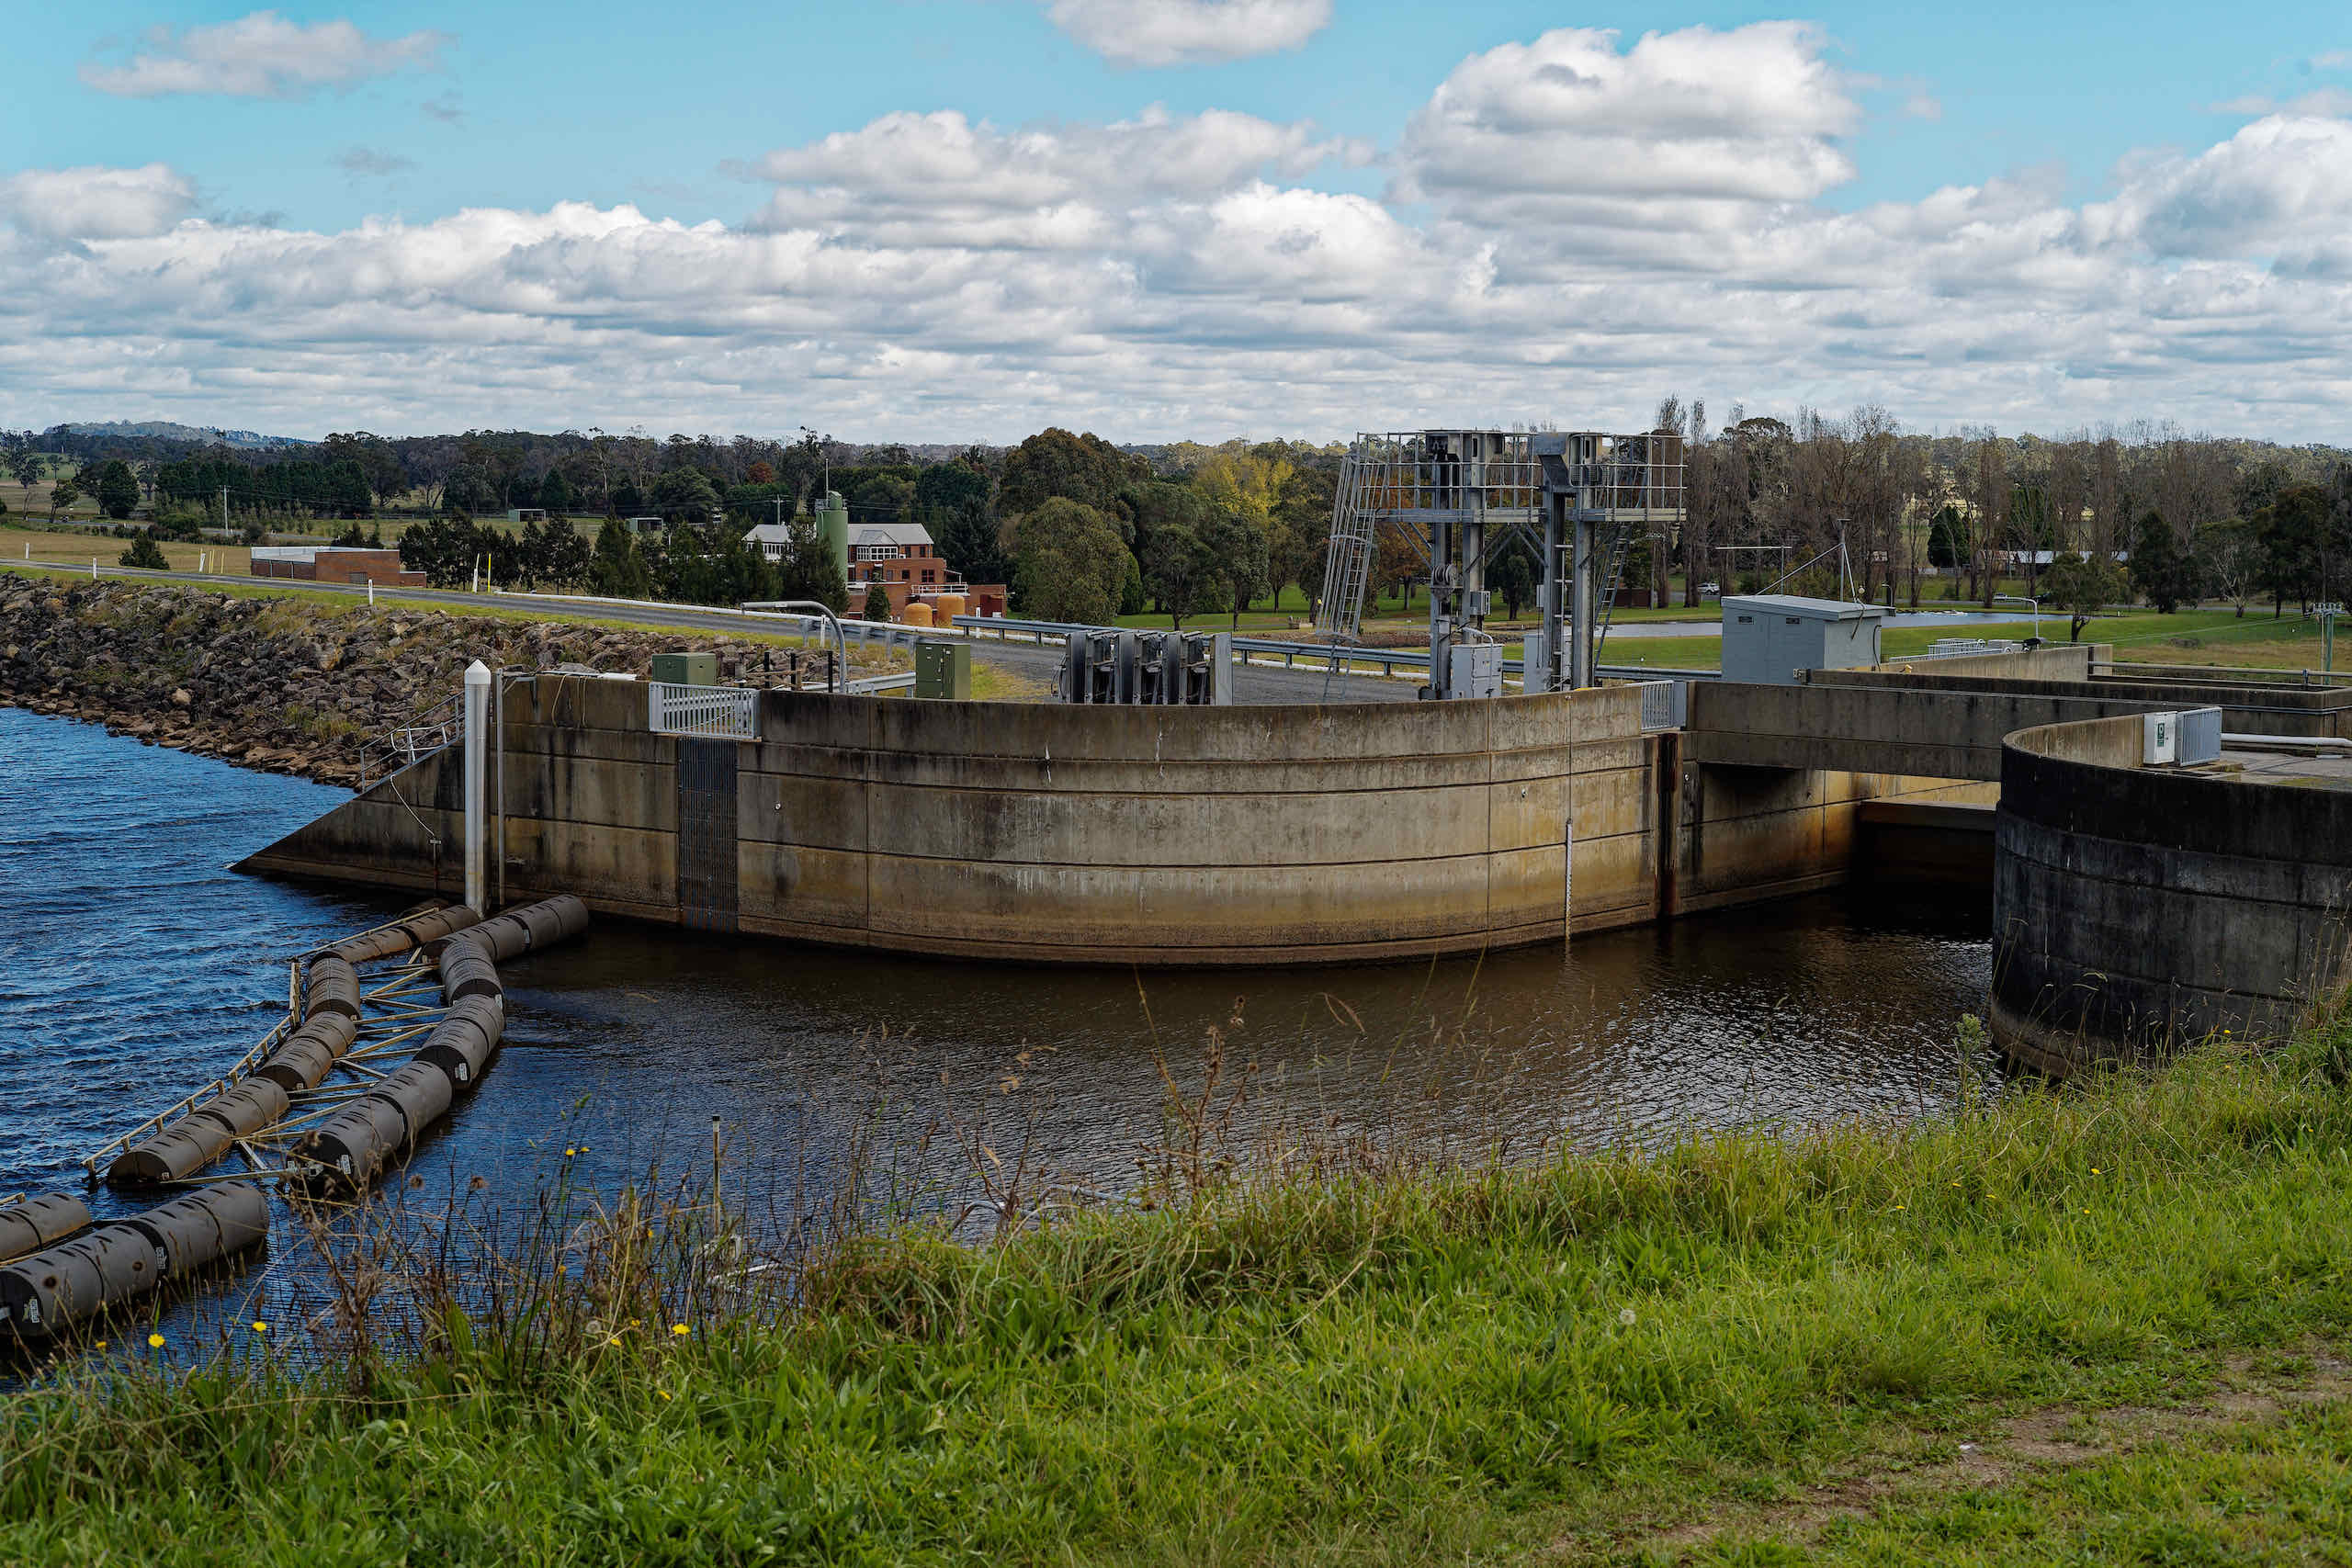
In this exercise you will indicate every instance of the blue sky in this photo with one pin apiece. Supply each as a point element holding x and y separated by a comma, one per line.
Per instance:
<point>2116,152</point>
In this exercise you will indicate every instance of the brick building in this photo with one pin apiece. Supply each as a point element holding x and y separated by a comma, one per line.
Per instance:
<point>334,563</point>
<point>903,559</point>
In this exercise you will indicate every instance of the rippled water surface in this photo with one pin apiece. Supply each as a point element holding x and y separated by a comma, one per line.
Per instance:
<point>133,967</point>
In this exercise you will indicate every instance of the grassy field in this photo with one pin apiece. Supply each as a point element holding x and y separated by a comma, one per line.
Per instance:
<point>20,542</point>
<point>2098,1325</point>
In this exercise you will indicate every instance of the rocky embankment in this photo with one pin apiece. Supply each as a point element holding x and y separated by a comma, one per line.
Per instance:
<point>288,685</point>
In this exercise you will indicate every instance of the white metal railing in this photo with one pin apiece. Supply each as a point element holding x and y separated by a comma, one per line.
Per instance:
<point>1666,705</point>
<point>1963,646</point>
<point>720,712</point>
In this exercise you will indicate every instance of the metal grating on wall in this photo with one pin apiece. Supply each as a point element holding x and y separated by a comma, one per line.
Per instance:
<point>729,711</point>
<point>706,834</point>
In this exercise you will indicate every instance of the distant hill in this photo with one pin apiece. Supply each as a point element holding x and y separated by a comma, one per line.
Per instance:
<point>164,430</point>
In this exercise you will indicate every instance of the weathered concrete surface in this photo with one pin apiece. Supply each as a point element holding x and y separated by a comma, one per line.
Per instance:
<point>2248,707</point>
<point>1913,725</point>
<point>2136,909</point>
<point>1159,836</point>
<point>1163,836</point>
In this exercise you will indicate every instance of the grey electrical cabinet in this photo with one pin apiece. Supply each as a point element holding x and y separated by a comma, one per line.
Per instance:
<point>1768,637</point>
<point>1477,669</point>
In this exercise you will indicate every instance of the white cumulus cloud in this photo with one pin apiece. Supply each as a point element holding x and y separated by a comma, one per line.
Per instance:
<point>943,179</point>
<point>95,203</point>
<point>262,56</point>
<point>1574,225</point>
<point>1188,32</point>
<point>1571,126</point>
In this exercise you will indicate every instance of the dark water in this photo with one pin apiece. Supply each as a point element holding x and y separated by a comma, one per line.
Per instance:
<point>133,968</point>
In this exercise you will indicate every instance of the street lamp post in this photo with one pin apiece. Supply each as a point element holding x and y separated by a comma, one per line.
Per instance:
<point>2021,599</point>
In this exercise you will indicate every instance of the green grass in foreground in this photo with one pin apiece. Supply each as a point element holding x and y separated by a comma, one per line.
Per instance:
<point>1738,1350</point>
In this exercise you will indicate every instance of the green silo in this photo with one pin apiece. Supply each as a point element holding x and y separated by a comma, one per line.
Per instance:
<point>833,520</point>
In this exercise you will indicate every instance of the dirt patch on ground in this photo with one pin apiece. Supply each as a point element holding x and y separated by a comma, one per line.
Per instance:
<point>2048,1438</point>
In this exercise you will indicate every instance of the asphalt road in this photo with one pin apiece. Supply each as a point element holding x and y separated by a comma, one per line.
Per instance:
<point>1254,684</point>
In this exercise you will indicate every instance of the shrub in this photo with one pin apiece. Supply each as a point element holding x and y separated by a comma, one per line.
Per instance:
<point>145,552</point>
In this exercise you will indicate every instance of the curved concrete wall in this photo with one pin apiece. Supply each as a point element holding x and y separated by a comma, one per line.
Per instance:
<point>1224,836</point>
<point>1097,834</point>
<point>2137,907</point>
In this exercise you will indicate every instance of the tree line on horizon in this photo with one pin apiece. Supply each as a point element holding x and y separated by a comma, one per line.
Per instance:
<point>2146,509</point>
<point>1084,530</point>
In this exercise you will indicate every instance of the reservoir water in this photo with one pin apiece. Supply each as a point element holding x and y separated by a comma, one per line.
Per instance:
<point>133,968</point>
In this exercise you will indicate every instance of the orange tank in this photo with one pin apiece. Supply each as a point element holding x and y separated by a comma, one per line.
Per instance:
<point>944,608</point>
<point>916,613</point>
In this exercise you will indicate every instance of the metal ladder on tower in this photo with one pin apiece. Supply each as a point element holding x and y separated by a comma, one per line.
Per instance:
<point>1347,563</point>
<point>1619,545</point>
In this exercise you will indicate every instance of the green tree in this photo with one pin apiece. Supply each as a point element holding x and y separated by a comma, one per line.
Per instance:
<point>1154,507</point>
<point>145,552</point>
<point>556,494</point>
<point>2082,586</point>
<point>468,489</point>
<point>885,497</point>
<point>807,569</point>
<point>1236,539</point>
<point>617,570</point>
<point>2229,556</point>
<point>2161,570</point>
<point>116,489</point>
<point>685,495</point>
<point>27,465</point>
<point>1179,568</point>
<point>1948,543</point>
<point>1069,563</point>
<point>441,547</point>
<point>62,494</point>
<point>952,501</point>
<point>564,556</point>
<point>878,602</point>
<point>1133,600</point>
<point>1054,463</point>
<point>712,564</point>
<point>1301,522</point>
<point>1512,575</point>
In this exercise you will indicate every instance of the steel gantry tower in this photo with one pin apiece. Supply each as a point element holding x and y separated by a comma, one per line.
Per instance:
<point>1578,501</point>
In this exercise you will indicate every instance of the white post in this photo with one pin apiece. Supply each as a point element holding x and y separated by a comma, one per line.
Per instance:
<point>372,593</point>
<point>477,744</point>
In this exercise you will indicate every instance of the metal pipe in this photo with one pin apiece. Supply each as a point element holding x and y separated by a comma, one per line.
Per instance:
<point>1583,604</point>
<point>498,780</point>
<point>477,746</point>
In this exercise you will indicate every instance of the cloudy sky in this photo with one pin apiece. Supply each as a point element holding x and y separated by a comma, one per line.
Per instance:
<point>943,220</point>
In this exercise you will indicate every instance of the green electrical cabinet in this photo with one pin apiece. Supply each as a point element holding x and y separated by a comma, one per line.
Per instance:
<point>686,669</point>
<point>943,670</point>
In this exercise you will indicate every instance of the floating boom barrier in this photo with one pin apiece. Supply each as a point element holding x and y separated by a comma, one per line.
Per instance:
<point>56,1268</point>
<point>123,1259</point>
<point>362,1139</point>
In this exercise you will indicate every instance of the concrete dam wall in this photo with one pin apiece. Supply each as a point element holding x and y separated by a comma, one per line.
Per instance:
<point>1090,834</point>
<point>2136,908</point>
